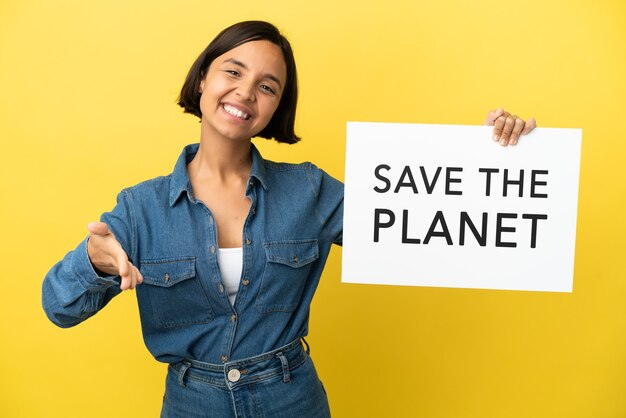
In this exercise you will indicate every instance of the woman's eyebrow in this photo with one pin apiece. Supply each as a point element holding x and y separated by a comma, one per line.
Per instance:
<point>245,67</point>
<point>237,63</point>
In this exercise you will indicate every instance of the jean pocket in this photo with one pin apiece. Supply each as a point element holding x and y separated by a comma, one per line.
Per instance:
<point>287,267</point>
<point>174,294</point>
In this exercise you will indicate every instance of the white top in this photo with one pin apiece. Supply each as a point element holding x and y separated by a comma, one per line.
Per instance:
<point>230,261</point>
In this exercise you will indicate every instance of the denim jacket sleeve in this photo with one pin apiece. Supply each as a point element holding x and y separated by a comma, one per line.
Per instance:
<point>73,290</point>
<point>329,193</point>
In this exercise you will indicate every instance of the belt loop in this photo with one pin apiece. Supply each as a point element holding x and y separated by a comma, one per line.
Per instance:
<point>181,374</point>
<point>283,361</point>
<point>306,344</point>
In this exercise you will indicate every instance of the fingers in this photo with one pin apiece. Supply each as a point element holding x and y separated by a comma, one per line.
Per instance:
<point>127,278</point>
<point>98,228</point>
<point>139,276</point>
<point>124,270</point>
<point>518,126</point>
<point>493,115</point>
<point>530,125</point>
<point>498,126</point>
<point>130,275</point>
<point>132,278</point>
<point>508,125</point>
<point>507,128</point>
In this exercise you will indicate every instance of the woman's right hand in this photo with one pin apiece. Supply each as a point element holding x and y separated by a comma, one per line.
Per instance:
<point>107,255</point>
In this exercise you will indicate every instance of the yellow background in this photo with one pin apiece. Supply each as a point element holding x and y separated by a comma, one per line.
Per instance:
<point>87,107</point>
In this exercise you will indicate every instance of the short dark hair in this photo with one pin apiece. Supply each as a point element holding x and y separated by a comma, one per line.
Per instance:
<point>281,126</point>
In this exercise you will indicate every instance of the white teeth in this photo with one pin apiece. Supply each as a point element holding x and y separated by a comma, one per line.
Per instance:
<point>235,112</point>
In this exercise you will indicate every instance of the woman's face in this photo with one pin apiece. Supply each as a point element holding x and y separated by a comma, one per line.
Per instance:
<point>242,89</point>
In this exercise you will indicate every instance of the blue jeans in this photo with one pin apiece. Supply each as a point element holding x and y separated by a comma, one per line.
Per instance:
<point>281,383</point>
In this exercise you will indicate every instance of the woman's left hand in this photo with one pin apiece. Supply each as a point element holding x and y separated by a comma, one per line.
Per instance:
<point>507,128</point>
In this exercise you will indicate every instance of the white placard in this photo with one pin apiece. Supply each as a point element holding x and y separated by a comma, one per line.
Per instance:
<point>444,205</point>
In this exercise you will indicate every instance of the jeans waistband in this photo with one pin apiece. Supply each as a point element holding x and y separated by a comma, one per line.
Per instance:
<point>248,370</point>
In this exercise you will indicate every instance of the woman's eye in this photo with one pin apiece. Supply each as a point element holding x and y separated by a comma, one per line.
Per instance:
<point>267,88</point>
<point>232,72</point>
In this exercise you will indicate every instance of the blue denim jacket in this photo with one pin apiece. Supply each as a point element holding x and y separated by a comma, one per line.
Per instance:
<point>295,216</point>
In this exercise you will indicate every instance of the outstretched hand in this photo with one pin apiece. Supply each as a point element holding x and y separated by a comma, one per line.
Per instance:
<point>107,255</point>
<point>507,128</point>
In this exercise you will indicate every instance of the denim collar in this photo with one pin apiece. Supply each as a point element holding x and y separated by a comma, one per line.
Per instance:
<point>180,178</point>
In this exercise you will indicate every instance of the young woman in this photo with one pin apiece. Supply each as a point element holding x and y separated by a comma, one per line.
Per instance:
<point>229,248</point>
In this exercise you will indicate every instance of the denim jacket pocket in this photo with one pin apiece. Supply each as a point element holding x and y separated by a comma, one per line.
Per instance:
<point>286,269</point>
<point>174,293</point>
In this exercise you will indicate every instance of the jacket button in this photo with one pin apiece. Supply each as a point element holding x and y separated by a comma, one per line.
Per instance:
<point>234,375</point>
<point>248,241</point>
<point>212,249</point>
<point>167,278</point>
<point>233,317</point>
<point>224,358</point>
<point>221,288</point>
<point>246,282</point>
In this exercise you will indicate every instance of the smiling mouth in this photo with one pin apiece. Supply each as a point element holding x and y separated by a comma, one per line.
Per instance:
<point>235,112</point>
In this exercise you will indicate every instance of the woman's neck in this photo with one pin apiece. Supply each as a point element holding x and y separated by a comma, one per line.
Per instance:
<point>221,159</point>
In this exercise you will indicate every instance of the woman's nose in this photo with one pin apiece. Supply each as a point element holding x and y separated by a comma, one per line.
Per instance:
<point>245,90</point>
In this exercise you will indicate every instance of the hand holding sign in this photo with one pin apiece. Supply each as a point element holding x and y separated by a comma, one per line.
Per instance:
<point>507,128</point>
